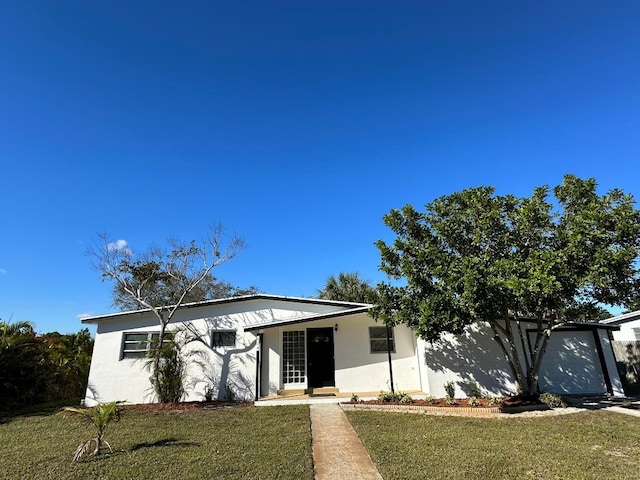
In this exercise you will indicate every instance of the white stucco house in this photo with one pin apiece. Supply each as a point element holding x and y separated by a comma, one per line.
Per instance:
<point>629,326</point>
<point>265,345</point>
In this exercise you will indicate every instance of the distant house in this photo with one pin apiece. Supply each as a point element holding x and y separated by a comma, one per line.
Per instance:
<point>626,347</point>
<point>629,326</point>
<point>265,345</point>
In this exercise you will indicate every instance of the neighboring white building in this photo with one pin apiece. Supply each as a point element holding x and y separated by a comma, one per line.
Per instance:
<point>627,347</point>
<point>262,345</point>
<point>629,326</point>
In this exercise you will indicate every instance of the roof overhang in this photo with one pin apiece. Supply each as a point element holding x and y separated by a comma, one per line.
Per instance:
<point>624,318</point>
<point>571,324</point>
<point>306,319</point>
<point>225,301</point>
<point>588,326</point>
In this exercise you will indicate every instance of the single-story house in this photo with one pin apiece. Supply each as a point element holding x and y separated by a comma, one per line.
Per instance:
<point>626,348</point>
<point>629,326</point>
<point>264,345</point>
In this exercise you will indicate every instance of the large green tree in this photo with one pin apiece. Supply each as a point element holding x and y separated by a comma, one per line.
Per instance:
<point>346,287</point>
<point>161,280</point>
<point>475,256</point>
<point>36,368</point>
<point>24,365</point>
<point>69,357</point>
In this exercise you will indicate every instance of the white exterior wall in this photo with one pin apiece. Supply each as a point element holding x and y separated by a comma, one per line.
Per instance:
<point>626,333</point>
<point>471,357</point>
<point>417,365</point>
<point>359,370</point>
<point>112,378</point>
<point>610,361</point>
<point>356,368</point>
<point>475,356</point>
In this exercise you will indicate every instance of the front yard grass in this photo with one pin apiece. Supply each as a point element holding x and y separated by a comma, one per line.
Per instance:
<point>230,443</point>
<point>587,445</point>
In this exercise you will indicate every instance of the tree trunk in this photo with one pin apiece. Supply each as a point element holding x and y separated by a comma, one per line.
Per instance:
<point>537,356</point>
<point>156,352</point>
<point>510,353</point>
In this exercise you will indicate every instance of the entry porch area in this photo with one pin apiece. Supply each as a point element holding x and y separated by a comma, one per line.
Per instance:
<point>322,395</point>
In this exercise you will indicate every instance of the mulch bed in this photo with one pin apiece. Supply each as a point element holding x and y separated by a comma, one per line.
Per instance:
<point>460,407</point>
<point>460,403</point>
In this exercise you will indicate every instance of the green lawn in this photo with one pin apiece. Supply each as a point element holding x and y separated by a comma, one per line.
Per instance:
<point>231,443</point>
<point>587,445</point>
<point>274,442</point>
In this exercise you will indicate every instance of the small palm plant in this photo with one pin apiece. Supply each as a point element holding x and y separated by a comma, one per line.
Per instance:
<point>100,416</point>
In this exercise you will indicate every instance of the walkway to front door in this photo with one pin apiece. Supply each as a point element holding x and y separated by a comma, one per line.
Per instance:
<point>338,453</point>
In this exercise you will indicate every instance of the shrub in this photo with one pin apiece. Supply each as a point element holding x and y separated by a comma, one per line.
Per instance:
<point>401,397</point>
<point>229,394</point>
<point>496,401</point>
<point>386,396</point>
<point>208,393</point>
<point>474,401</point>
<point>168,369</point>
<point>450,388</point>
<point>430,399</point>
<point>475,390</point>
<point>405,398</point>
<point>355,398</point>
<point>552,400</point>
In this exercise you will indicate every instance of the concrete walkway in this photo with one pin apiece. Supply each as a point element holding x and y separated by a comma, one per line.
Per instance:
<point>338,453</point>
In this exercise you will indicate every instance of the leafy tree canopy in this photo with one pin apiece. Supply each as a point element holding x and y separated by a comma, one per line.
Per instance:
<point>476,256</point>
<point>36,368</point>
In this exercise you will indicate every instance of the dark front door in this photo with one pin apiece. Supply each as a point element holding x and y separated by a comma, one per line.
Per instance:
<point>320,364</point>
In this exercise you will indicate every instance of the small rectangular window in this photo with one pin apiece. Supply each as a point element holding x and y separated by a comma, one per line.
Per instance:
<point>223,338</point>
<point>636,333</point>
<point>378,340</point>
<point>137,345</point>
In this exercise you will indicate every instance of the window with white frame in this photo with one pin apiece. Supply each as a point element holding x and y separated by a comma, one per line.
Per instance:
<point>378,340</point>
<point>223,338</point>
<point>636,333</point>
<point>137,345</point>
<point>293,364</point>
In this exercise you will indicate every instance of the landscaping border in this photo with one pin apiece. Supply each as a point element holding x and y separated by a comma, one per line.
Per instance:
<point>467,411</point>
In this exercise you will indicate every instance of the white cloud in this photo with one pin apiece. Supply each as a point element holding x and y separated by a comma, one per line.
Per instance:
<point>119,246</point>
<point>84,315</point>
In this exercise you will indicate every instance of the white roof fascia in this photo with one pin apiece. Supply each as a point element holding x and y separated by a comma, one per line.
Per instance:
<point>221,301</point>
<point>624,318</point>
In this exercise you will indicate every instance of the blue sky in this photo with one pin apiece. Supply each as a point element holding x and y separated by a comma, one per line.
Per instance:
<point>297,125</point>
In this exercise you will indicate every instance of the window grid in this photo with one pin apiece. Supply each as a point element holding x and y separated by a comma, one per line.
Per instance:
<point>378,340</point>
<point>137,345</point>
<point>293,363</point>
